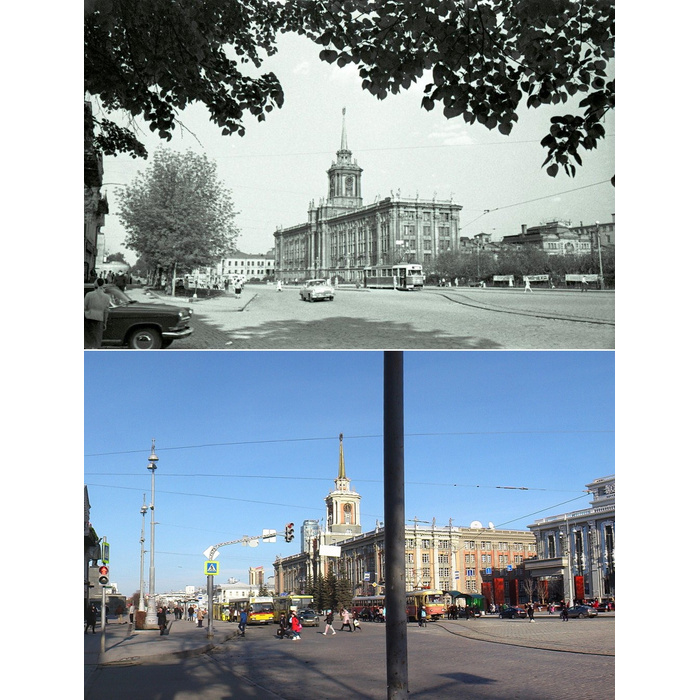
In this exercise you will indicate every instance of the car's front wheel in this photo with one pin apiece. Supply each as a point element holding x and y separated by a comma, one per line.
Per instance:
<point>145,339</point>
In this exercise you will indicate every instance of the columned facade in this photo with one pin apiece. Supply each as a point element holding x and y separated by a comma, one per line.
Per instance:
<point>576,551</point>
<point>342,236</point>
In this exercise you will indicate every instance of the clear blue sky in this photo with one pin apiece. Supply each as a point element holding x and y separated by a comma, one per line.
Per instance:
<point>280,165</point>
<point>249,440</point>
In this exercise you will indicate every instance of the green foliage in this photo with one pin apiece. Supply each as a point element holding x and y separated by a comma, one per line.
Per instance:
<point>330,591</point>
<point>343,593</point>
<point>116,257</point>
<point>486,58</point>
<point>154,57</point>
<point>178,212</point>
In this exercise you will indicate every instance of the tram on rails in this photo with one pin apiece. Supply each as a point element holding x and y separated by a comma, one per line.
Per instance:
<point>406,276</point>
<point>370,607</point>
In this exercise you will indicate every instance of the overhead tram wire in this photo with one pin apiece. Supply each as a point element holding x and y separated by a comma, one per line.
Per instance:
<point>354,437</point>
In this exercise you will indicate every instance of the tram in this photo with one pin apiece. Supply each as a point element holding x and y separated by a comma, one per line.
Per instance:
<point>407,276</point>
<point>368,606</point>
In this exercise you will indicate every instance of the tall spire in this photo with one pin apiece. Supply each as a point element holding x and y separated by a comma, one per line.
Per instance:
<point>341,465</point>
<point>344,135</point>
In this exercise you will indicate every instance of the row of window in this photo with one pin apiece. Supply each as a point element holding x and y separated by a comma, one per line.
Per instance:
<point>485,545</point>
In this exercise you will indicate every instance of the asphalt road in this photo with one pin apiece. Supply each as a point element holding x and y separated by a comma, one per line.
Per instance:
<point>443,662</point>
<point>434,318</point>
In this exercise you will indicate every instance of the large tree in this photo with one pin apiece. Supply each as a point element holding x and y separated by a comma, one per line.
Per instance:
<point>487,57</point>
<point>177,213</point>
<point>151,58</point>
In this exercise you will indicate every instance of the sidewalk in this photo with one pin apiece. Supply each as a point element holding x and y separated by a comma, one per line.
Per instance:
<point>124,645</point>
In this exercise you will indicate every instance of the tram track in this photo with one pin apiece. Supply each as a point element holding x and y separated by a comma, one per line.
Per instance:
<point>465,300</point>
<point>564,647</point>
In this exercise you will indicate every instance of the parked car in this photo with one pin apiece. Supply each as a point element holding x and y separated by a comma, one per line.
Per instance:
<point>142,326</point>
<point>582,611</point>
<point>313,290</point>
<point>308,618</point>
<point>510,613</point>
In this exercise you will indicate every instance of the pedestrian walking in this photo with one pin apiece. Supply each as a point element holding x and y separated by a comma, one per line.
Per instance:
<point>527,286</point>
<point>90,618</point>
<point>584,284</point>
<point>190,614</point>
<point>237,287</point>
<point>329,623</point>
<point>200,615</point>
<point>531,612</point>
<point>296,628</point>
<point>565,613</point>
<point>96,308</point>
<point>356,623</point>
<point>282,631</point>
<point>243,622</point>
<point>162,619</point>
<point>132,609</point>
<point>419,615</point>
<point>279,285</point>
<point>346,621</point>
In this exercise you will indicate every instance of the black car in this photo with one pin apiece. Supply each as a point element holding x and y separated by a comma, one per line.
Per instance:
<point>140,326</point>
<point>308,618</point>
<point>510,613</point>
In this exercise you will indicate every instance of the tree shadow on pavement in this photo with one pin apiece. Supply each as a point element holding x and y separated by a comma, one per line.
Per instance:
<point>346,333</point>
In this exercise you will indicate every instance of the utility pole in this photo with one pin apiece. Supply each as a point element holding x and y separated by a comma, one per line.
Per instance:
<point>394,529</point>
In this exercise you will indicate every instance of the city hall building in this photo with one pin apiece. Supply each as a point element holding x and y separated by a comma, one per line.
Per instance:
<point>342,236</point>
<point>475,560</point>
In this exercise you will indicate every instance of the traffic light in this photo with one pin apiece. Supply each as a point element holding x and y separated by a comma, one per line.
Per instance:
<point>103,571</point>
<point>289,532</point>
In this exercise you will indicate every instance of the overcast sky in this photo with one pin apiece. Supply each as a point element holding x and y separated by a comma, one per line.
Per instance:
<point>280,165</point>
<point>249,440</point>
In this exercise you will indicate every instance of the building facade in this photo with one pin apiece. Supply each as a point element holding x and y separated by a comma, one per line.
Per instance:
<point>342,235</point>
<point>246,266</point>
<point>576,551</point>
<point>474,559</point>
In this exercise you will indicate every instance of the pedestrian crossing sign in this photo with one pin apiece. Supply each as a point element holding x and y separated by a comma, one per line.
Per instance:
<point>211,568</point>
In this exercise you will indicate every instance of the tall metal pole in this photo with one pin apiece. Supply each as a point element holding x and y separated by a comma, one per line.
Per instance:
<point>151,614</point>
<point>394,529</point>
<point>144,510</point>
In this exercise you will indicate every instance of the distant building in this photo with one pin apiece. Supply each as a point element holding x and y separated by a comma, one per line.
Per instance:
<point>342,235</point>
<point>256,577</point>
<point>554,238</point>
<point>576,551</point>
<point>248,266</point>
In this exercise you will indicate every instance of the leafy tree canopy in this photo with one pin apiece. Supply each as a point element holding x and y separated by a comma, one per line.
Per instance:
<point>153,57</point>
<point>486,58</point>
<point>178,212</point>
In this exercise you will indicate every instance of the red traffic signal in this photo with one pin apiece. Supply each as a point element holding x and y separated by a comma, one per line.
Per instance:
<point>103,572</point>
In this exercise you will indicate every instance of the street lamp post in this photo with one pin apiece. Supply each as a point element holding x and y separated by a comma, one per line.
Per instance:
<point>151,615</point>
<point>144,510</point>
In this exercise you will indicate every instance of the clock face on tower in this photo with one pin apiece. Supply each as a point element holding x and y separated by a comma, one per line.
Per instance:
<point>349,186</point>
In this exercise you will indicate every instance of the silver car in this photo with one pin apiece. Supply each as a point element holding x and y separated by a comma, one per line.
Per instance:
<point>313,290</point>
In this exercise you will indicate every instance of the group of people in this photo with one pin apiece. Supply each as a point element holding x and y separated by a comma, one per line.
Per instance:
<point>290,627</point>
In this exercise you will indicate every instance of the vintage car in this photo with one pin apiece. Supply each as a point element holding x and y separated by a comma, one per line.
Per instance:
<point>313,290</point>
<point>142,326</point>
